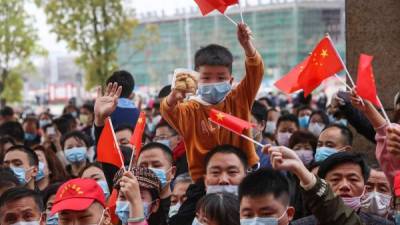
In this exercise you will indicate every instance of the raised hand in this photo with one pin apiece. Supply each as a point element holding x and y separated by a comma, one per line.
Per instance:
<point>244,36</point>
<point>175,96</point>
<point>283,158</point>
<point>131,190</point>
<point>106,104</point>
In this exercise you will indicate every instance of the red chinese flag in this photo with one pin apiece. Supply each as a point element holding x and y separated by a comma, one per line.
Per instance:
<point>112,204</point>
<point>227,3</point>
<point>107,148</point>
<point>323,63</point>
<point>229,122</point>
<point>207,6</point>
<point>366,87</point>
<point>288,83</point>
<point>136,138</point>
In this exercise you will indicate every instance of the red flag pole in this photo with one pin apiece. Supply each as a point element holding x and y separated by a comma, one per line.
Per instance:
<point>116,143</point>
<point>341,61</point>
<point>242,135</point>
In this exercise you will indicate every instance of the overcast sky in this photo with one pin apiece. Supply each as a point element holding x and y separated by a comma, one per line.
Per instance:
<point>48,40</point>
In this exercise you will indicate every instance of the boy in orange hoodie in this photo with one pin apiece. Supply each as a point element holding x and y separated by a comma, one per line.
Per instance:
<point>190,118</point>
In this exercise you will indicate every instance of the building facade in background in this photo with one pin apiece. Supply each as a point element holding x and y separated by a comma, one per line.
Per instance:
<point>285,32</point>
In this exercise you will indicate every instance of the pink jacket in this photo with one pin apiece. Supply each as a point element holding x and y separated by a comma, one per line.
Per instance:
<point>389,164</point>
<point>139,223</point>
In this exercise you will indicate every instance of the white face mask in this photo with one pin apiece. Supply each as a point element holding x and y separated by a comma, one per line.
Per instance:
<point>173,210</point>
<point>27,223</point>
<point>376,203</point>
<point>233,189</point>
<point>270,127</point>
<point>316,128</point>
<point>262,220</point>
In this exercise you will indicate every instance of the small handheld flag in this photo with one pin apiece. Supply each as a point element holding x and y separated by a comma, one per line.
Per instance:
<point>107,148</point>
<point>232,123</point>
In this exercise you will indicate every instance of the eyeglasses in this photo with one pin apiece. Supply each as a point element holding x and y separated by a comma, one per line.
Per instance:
<point>157,138</point>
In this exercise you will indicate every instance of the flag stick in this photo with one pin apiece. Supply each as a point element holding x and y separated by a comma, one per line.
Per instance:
<point>341,61</point>
<point>383,111</point>
<point>340,79</point>
<point>230,19</point>
<point>131,162</point>
<point>347,86</point>
<point>242,135</point>
<point>241,12</point>
<point>252,140</point>
<point>116,143</point>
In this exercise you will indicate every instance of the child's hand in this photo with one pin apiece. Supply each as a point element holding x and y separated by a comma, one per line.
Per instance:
<point>175,96</point>
<point>244,36</point>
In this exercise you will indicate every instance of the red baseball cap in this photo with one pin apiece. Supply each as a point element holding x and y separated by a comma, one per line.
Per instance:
<point>77,195</point>
<point>397,184</point>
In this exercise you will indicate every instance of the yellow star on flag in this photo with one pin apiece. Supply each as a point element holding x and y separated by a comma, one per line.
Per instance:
<point>324,53</point>
<point>220,116</point>
<point>140,120</point>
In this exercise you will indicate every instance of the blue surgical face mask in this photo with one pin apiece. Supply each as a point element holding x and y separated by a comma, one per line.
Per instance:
<point>75,155</point>
<point>52,220</point>
<point>43,123</point>
<point>397,218</point>
<point>303,121</point>
<point>343,122</point>
<point>30,136</point>
<point>323,153</point>
<point>215,92</point>
<point>162,176</point>
<point>40,174</point>
<point>122,211</point>
<point>259,221</point>
<point>262,220</point>
<point>104,186</point>
<point>19,172</point>
<point>146,209</point>
<point>165,142</point>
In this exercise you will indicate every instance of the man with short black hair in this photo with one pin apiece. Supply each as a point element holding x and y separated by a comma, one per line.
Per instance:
<point>165,134</point>
<point>335,196</point>
<point>13,129</point>
<point>334,138</point>
<point>126,112</point>
<point>225,167</point>
<point>20,205</point>
<point>24,163</point>
<point>264,195</point>
<point>158,158</point>
<point>7,180</point>
<point>6,114</point>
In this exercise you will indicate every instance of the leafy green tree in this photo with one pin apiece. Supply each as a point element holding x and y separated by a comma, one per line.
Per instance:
<point>18,41</point>
<point>95,29</point>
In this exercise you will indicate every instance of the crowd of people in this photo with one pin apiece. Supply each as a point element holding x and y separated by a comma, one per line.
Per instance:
<point>190,171</point>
